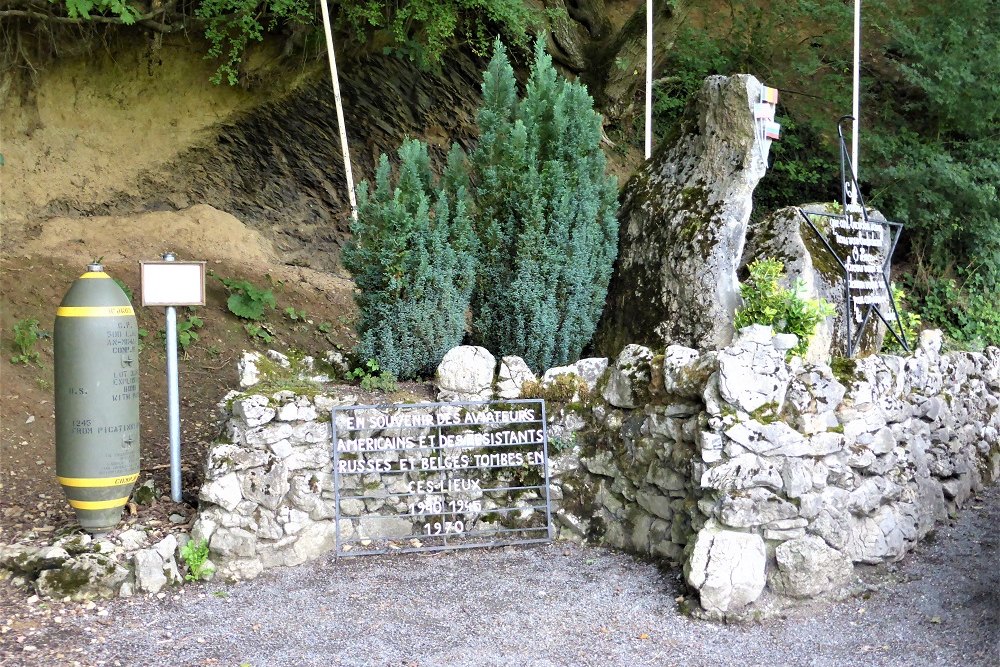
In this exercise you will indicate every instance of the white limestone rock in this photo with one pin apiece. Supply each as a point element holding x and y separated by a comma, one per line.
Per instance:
<point>591,370</point>
<point>254,410</point>
<point>83,577</point>
<point>807,568</point>
<point>685,371</point>
<point>754,507</point>
<point>225,491</point>
<point>466,374</point>
<point>514,372</point>
<point>149,571</point>
<point>628,382</point>
<point>752,374</point>
<point>727,568</point>
<point>743,472</point>
<point>248,368</point>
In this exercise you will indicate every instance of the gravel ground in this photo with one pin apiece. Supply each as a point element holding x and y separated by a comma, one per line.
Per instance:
<point>558,604</point>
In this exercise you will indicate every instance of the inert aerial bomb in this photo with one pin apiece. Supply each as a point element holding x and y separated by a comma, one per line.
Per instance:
<point>97,399</point>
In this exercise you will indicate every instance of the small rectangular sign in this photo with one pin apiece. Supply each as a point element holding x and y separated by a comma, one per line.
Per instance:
<point>173,283</point>
<point>433,476</point>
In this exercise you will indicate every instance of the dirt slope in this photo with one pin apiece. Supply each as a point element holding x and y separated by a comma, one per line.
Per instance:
<point>36,274</point>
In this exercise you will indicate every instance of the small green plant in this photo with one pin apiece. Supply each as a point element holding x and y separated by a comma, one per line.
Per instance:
<point>247,301</point>
<point>186,331</point>
<point>294,315</point>
<point>26,335</point>
<point>372,378</point>
<point>195,557</point>
<point>145,493</point>
<point>563,443</point>
<point>766,301</point>
<point>324,327</point>
<point>259,331</point>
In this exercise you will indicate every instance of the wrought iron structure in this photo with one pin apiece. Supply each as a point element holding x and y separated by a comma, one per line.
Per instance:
<point>859,260</point>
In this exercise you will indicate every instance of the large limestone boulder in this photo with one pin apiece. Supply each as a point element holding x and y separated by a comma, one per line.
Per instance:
<point>727,569</point>
<point>807,567</point>
<point>786,236</point>
<point>683,220</point>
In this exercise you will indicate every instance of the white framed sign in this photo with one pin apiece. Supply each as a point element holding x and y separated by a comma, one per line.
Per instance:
<point>166,283</point>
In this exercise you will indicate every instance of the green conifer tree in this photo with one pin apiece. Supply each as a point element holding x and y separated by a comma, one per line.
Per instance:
<point>546,217</point>
<point>412,256</point>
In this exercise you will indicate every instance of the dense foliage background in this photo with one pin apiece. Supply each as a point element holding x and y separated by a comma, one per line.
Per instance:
<point>930,150</point>
<point>931,78</point>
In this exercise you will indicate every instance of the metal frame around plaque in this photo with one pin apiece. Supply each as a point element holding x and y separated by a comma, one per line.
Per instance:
<point>422,542</point>
<point>892,229</point>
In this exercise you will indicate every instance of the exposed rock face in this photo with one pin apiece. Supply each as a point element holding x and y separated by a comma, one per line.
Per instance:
<point>683,220</point>
<point>784,235</point>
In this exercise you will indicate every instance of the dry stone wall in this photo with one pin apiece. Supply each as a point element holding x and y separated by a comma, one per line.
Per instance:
<point>768,479</point>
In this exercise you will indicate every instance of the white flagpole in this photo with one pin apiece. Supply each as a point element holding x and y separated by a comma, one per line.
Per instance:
<point>856,102</point>
<point>649,78</point>
<point>348,174</point>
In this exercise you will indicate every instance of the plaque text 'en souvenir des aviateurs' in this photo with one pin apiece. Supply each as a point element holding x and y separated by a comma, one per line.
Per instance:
<point>430,476</point>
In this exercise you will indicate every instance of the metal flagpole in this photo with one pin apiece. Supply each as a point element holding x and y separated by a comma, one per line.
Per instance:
<point>348,174</point>
<point>649,78</point>
<point>856,102</point>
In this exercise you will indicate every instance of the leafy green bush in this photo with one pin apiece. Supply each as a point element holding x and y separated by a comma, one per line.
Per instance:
<point>766,301</point>
<point>247,301</point>
<point>546,217</point>
<point>373,378</point>
<point>412,258</point>
<point>966,309</point>
<point>421,30</point>
<point>187,331</point>
<point>934,158</point>
<point>83,8</point>
<point>230,25</point>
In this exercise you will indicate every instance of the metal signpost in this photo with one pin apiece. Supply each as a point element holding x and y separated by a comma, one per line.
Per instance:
<point>435,476</point>
<point>171,283</point>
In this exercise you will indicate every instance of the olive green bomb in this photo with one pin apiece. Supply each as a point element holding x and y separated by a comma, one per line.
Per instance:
<point>97,399</point>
